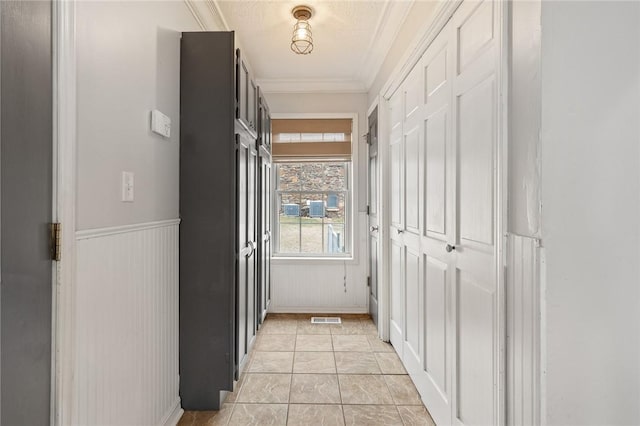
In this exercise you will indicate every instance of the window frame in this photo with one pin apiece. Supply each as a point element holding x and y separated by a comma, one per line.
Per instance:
<point>348,214</point>
<point>353,194</point>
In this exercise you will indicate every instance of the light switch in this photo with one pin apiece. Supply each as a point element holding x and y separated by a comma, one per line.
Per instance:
<point>160,123</point>
<point>127,187</point>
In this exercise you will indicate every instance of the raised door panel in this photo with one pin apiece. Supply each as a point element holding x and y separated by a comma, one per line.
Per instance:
<point>396,163</point>
<point>252,104</point>
<point>475,349</point>
<point>476,138</point>
<point>242,79</point>
<point>412,179</point>
<point>252,194</point>
<point>475,31</point>
<point>413,311</point>
<point>397,299</point>
<point>435,164</point>
<point>434,382</point>
<point>435,319</point>
<point>397,174</point>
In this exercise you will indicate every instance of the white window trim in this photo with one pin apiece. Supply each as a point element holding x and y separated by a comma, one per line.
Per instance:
<point>351,216</point>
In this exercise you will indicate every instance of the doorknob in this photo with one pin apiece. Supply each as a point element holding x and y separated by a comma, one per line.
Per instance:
<point>252,246</point>
<point>373,228</point>
<point>399,231</point>
<point>449,248</point>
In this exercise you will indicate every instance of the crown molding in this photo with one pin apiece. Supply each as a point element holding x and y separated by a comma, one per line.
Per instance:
<point>311,86</point>
<point>207,14</point>
<point>387,28</point>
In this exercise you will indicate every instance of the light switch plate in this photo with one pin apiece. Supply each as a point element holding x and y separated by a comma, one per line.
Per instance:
<point>127,187</point>
<point>160,123</point>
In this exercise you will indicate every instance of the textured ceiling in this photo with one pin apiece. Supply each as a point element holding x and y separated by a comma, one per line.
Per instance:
<point>345,34</point>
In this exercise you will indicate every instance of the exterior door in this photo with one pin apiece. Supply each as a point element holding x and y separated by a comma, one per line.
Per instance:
<point>26,210</point>
<point>373,188</point>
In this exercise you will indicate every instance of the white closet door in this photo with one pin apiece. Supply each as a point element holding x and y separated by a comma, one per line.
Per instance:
<point>445,306</point>
<point>413,291</point>
<point>475,282</point>
<point>438,227</point>
<point>396,246</point>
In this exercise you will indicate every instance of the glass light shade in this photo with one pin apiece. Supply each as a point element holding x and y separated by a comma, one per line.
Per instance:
<point>302,42</point>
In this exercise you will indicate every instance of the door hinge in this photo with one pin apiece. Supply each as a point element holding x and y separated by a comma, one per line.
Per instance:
<point>368,210</point>
<point>368,281</point>
<point>55,240</point>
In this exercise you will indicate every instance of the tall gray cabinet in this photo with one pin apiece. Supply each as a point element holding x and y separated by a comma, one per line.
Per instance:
<point>223,251</point>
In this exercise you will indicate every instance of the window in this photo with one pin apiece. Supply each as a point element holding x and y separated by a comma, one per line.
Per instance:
<point>313,202</point>
<point>312,164</point>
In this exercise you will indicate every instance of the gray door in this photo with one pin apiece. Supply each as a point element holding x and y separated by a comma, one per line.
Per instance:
<point>26,206</point>
<point>372,190</point>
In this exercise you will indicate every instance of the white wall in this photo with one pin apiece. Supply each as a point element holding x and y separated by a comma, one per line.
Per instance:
<point>524,119</point>
<point>325,290</point>
<point>125,338</point>
<point>591,211</point>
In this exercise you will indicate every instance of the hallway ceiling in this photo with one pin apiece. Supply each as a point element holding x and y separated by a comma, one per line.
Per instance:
<point>351,39</point>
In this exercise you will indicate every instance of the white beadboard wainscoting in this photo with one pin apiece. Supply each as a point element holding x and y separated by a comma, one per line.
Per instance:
<point>523,330</point>
<point>318,286</point>
<point>126,368</point>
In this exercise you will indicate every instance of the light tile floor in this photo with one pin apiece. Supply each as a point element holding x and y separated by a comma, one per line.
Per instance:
<point>317,374</point>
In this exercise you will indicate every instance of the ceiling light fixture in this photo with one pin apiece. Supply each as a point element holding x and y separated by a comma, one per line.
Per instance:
<point>302,42</point>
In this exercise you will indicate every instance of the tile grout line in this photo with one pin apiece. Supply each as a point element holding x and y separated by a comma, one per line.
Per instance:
<point>335,364</point>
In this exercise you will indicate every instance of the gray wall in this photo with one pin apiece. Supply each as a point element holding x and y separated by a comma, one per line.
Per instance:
<point>590,210</point>
<point>128,64</point>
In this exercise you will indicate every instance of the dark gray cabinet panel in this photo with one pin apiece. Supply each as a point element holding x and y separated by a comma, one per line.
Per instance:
<point>208,231</point>
<point>220,199</point>
<point>246,96</point>
<point>264,207</point>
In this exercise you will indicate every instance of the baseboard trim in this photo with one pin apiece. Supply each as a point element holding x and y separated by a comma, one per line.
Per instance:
<point>123,229</point>
<point>316,310</point>
<point>174,415</point>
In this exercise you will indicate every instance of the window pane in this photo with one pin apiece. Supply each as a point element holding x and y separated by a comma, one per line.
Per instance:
<point>334,238</point>
<point>288,178</point>
<point>323,176</point>
<point>311,235</point>
<point>289,223</point>
<point>312,203</point>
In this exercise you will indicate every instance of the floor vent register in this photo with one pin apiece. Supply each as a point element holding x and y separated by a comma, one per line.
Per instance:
<point>326,320</point>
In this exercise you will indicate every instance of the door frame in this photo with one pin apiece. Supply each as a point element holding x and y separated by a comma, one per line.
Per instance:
<point>409,60</point>
<point>64,208</point>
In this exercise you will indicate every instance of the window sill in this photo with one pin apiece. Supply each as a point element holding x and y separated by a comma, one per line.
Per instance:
<point>285,260</point>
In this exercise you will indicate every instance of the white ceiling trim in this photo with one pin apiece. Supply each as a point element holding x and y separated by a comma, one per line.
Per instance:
<point>386,31</point>
<point>207,14</point>
<point>310,86</point>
